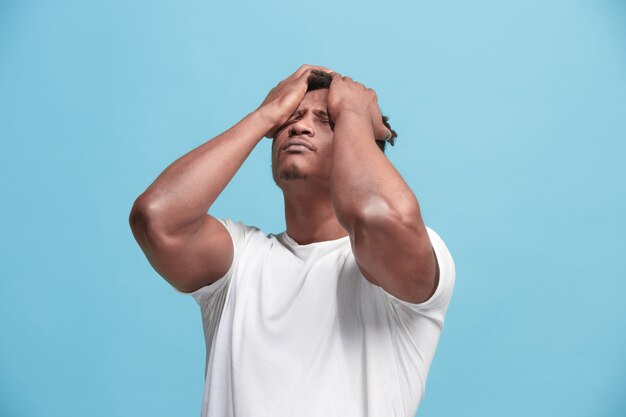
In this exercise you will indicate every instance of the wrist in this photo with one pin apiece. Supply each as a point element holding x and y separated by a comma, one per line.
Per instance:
<point>264,119</point>
<point>350,112</point>
<point>265,113</point>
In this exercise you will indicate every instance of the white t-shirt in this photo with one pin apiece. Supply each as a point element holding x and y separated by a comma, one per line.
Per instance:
<point>296,330</point>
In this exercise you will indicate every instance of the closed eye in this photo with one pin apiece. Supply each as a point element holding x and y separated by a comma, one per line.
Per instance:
<point>295,119</point>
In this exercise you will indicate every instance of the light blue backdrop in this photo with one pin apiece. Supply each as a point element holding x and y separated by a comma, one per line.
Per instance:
<point>512,126</point>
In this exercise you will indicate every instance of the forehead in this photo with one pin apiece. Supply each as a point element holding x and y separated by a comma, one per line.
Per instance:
<point>314,100</point>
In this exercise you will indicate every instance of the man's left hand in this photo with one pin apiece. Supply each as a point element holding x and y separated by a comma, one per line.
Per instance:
<point>345,94</point>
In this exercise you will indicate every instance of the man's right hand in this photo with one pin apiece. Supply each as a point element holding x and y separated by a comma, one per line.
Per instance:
<point>284,99</point>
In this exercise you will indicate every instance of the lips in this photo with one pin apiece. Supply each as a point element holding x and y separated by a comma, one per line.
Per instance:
<point>302,142</point>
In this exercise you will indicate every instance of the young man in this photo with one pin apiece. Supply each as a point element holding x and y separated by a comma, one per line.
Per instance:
<point>340,314</point>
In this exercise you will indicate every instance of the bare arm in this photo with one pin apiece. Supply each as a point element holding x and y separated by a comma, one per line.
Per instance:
<point>188,247</point>
<point>373,202</point>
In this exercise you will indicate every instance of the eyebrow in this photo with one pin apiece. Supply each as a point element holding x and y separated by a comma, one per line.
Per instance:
<point>318,112</point>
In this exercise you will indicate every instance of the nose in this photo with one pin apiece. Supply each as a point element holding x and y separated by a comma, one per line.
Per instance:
<point>301,127</point>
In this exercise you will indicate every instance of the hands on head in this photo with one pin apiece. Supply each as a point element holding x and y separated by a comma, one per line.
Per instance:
<point>344,95</point>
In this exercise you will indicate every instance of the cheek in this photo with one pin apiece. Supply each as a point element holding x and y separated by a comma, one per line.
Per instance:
<point>327,156</point>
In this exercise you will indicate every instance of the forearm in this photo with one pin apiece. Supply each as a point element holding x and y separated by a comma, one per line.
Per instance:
<point>183,193</point>
<point>364,184</point>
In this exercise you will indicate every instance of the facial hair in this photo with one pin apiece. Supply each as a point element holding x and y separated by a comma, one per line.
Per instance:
<point>292,172</point>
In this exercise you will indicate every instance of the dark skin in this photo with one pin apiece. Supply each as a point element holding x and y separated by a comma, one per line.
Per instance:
<point>337,182</point>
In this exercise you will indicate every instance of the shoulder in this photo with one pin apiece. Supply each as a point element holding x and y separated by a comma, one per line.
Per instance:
<point>437,305</point>
<point>447,276</point>
<point>246,240</point>
<point>241,231</point>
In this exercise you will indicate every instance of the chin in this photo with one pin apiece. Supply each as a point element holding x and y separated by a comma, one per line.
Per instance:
<point>292,171</point>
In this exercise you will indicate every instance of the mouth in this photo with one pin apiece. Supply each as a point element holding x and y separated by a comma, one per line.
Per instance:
<point>296,148</point>
<point>297,145</point>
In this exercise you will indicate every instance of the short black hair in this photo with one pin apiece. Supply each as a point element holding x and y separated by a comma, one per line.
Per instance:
<point>319,79</point>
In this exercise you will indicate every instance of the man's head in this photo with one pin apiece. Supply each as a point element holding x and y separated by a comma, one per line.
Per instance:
<point>311,127</point>
<point>320,79</point>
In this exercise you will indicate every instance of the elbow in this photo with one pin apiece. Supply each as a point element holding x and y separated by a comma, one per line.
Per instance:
<point>141,219</point>
<point>381,213</point>
<point>138,213</point>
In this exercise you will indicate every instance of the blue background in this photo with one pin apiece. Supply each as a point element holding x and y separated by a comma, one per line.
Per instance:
<point>511,123</point>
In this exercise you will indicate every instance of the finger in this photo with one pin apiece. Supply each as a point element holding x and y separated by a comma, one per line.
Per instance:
<point>304,76</point>
<point>383,133</point>
<point>335,75</point>
<point>309,71</point>
<point>306,68</point>
<point>319,67</point>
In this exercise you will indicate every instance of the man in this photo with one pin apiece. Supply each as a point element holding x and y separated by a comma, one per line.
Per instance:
<point>340,314</point>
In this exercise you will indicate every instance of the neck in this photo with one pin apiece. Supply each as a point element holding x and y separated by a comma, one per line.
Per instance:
<point>310,217</point>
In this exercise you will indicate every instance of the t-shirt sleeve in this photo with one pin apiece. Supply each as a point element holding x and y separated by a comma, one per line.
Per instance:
<point>437,304</point>
<point>239,234</point>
